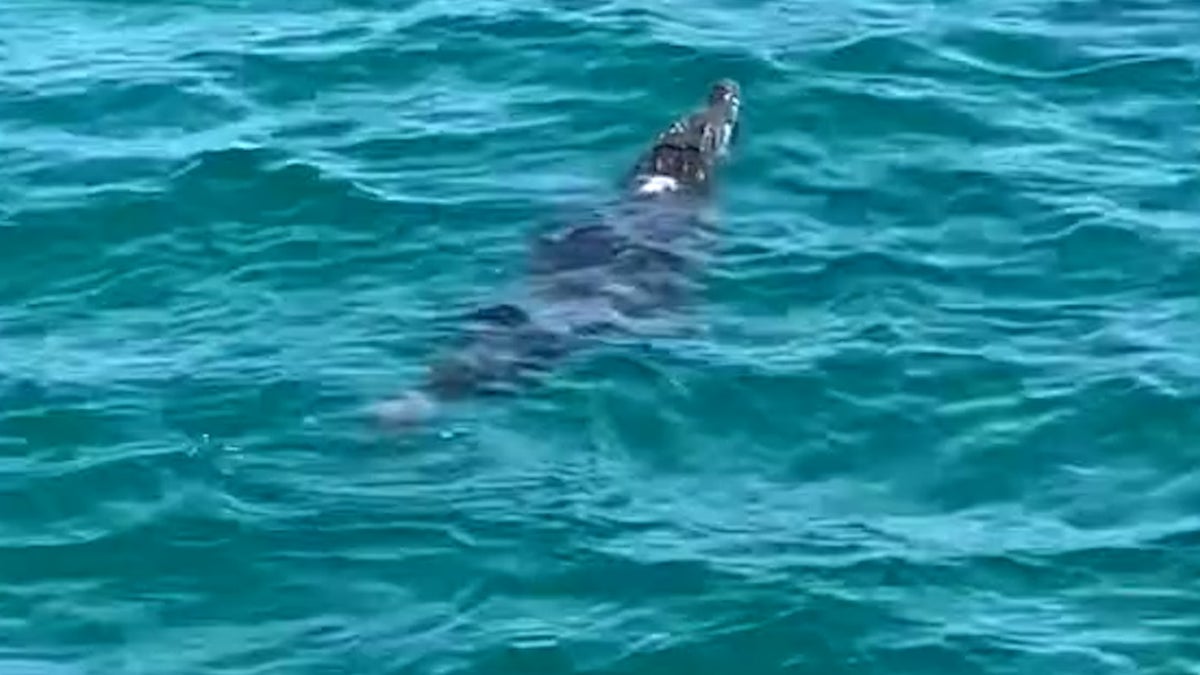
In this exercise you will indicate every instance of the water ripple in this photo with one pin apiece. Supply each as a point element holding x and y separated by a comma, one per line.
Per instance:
<point>934,412</point>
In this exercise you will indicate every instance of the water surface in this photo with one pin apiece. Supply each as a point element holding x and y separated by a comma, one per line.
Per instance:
<point>937,410</point>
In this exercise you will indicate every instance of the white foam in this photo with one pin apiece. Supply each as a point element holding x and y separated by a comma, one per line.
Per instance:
<point>658,183</point>
<point>410,409</point>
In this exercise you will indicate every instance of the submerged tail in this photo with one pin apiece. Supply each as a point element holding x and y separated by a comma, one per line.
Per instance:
<point>502,348</point>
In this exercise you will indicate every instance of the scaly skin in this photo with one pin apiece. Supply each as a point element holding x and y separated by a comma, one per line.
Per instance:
<point>636,263</point>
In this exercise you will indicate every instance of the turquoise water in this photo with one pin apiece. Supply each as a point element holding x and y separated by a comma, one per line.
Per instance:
<point>936,411</point>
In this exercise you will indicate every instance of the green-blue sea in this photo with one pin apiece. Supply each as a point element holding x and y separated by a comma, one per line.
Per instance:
<point>934,409</point>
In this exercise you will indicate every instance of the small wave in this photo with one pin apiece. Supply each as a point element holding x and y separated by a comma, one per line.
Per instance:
<point>1105,253</point>
<point>123,109</point>
<point>895,53</point>
<point>1104,75</point>
<point>264,186</point>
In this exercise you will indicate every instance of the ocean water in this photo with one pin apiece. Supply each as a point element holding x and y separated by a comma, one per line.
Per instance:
<point>936,410</point>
